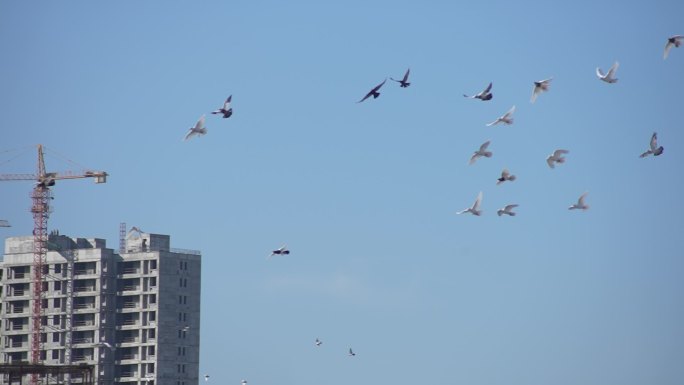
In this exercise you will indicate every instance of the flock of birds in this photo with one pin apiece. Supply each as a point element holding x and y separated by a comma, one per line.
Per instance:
<point>558,155</point>
<point>555,158</point>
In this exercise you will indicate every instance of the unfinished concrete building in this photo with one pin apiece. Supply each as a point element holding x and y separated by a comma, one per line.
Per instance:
<point>134,314</point>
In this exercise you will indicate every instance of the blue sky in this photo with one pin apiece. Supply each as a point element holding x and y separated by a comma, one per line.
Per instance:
<point>365,195</point>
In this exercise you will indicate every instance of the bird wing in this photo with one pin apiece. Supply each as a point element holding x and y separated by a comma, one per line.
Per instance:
<point>654,142</point>
<point>489,87</point>
<point>476,205</point>
<point>505,173</point>
<point>378,86</point>
<point>406,75</point>
<point>366,97</point>
<point>668,47</point>
<point>535,92</point>
<point>494,122</point>
<point>484,146</point>
<point>509,112</point>
<point>549,161</point>
<point>580,201</point>
<point>190,134</point>
<point>510,207</point>
<point>226,104</point>
<point>473,158</point>
<point>200,123</point>
<point>558,153</point>
<point>613,69</point>
<point>599,73</point>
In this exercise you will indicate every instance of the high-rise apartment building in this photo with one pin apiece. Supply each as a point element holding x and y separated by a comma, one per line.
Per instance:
<point>134,315</point>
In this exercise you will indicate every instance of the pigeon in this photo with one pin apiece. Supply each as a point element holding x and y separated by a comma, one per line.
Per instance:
<point>198,129</point>
<point>673,41</point>
<point>654,149</point>
<point>556,157</point>
<point>475,210</point>
<point>580,205</point>
<point>281,251</point>
<point>186,328</point>
<point>206,377</point>
<point>226,110</point>
<point>243,382</point>
<point>403,83</point>
<point>506,118</point>
<point>484,95</point>
<point>481,152</point>
<point>351,353</point>
<point>105,345</point>
<point>610,76</point>
<point>318,342</point>
<point>508,210</point>
<point>505,175</point>
<point>374,92</point>
<point>539,87</point>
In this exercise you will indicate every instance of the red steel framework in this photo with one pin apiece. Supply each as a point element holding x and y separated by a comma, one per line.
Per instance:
<point>40,209</point>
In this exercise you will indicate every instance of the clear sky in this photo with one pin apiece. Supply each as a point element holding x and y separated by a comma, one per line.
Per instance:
<point>365,195</point>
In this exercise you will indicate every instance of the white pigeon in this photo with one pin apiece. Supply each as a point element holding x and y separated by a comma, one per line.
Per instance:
<point>318,342</point>
<point>556,157</point>
<point>654,149</point>
<point>206,377</point>
<point>505,175</point>
<point>243,382</point>
<point>105,344</point>
<point>198,129</point>
<point>672,41</point>
<point>508,210</point>
<point>580,205</point>
<point>481,152</point>
<point>351,353</point>
<point>484,95</point>
<point>506,118</point>
<point>226,110</point>
<point>539,87</point>
<point>610,76</point>
<point>475,209</point>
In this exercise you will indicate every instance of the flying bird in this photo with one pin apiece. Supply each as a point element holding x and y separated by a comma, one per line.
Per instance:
<point>105,344</point>
<point>374,92</point>
<point>505,175</point>
<point>403,83</point>
<point>484,95</point>
<point>198,129</point>
<point>556,157</point>
<point>508,210</point>
<point>673,41</point>
<point>610,76</point>
<point>475,209</point>
<point>206,377</point>
<point>281,251</point>
<point>226,110</point>
<point>506,118</point>
<point>351,353</point>
<point>654,149</point>
<point>539,87</point>
<point>318,342</point>
<point>481,152</point>
<point>580,205</point>
<point>243,382</point>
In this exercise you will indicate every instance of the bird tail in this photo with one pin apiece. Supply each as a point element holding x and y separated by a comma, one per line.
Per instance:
<point>499,212</point>
<point>511,214</point>
<point>512,178</point>
<point>488,154</point>
<point>561,160</point>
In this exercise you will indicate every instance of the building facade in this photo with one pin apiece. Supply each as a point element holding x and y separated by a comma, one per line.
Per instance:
<point>134,315</point>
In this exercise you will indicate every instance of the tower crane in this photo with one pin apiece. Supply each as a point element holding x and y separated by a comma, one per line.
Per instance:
<point>40,209</point>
